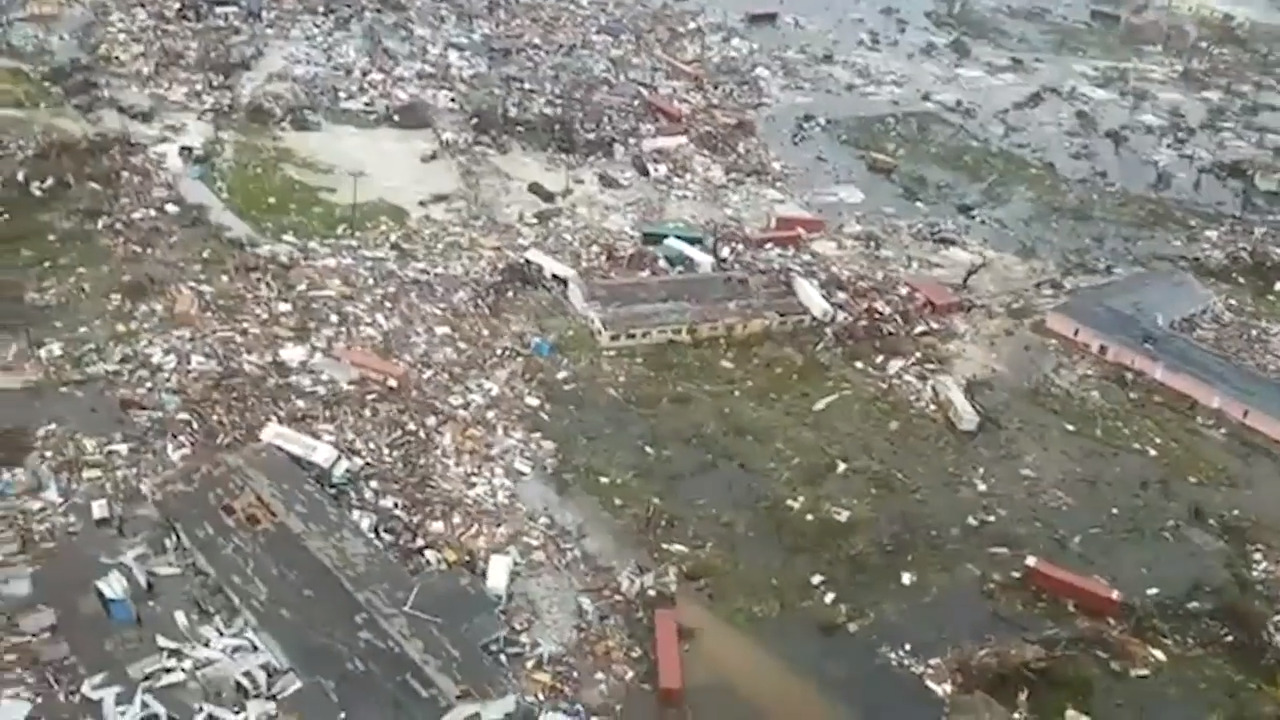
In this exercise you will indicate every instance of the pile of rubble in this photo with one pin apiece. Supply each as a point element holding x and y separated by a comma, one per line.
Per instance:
<point>469,68</point>
<point>1238,331</point>
<point>385,345</point>
<point>233,656</point>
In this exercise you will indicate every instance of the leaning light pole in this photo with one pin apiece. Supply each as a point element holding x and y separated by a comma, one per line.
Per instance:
<point>355,195</point>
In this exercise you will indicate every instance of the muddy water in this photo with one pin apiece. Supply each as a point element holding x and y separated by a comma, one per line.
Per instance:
<point>725,667</point>
<point>791,671</point>
<point>722,655</point>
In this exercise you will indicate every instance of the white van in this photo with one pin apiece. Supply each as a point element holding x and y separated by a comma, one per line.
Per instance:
<point>701,260</point>
<point>550,271</point>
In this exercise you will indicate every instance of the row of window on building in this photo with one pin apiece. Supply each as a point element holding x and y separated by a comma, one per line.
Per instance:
<point>682,333</point>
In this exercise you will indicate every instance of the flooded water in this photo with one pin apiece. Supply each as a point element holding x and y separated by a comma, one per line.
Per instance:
<point>822,544</point>
<point>721,655</point>
<point>725,666</point>
<point>1117,150</point>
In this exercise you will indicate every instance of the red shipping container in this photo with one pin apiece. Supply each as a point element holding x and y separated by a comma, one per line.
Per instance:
<point>688,70</point>
<point>666,109</point>
<point>667,653</point>
<point>373,365</point>
<point>781,238</point>
<point>811,224</point>
<point>938,298</point>
<point>1089,594</point>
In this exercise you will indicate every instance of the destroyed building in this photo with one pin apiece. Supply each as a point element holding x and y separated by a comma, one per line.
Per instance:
<point>1128,322</point>
<point>687,307</point>
<point>18,368</point>
<point>344,615</point>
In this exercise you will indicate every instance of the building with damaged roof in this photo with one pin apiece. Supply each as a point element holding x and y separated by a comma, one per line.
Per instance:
<point>1127,322</point>
<point>365,636</point>
<point>688,306</point>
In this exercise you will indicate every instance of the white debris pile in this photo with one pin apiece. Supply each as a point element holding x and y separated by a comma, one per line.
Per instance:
<point>1245,331</point>
<point>142,564</point>
<point>960,411</point>
<point>222,660</point>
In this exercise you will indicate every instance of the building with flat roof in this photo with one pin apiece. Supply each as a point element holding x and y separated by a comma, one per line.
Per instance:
<point>687,307</point>
<point>1127,322</point>
<point>347,617</point>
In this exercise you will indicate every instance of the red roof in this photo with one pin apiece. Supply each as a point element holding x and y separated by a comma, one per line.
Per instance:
<point>934,292</point>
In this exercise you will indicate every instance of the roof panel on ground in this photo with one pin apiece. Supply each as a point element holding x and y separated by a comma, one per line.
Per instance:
<point>1151,296</point>
<point>641,317</point>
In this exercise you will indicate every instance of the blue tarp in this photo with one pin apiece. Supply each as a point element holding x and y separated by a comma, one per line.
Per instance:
<point>120,611</point>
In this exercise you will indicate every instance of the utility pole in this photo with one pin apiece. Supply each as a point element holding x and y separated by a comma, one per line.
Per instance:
<point>355,194</point>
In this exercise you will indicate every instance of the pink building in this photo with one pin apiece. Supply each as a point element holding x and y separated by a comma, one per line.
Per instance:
<point>1126,322</point>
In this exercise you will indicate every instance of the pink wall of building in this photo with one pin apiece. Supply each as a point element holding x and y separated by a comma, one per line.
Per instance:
<point>1117,354</point>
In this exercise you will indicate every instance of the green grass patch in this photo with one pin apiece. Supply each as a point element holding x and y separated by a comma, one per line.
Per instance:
<point>260,182</point>
<point>45,235</point>
<point>20,89</point>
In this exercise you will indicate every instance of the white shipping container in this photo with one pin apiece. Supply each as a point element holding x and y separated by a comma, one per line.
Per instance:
<point>497,576</point>
<point>701,260</point>
<point>812,298</point>
<point>960,411</point>
<point>299,446</point>
<point>550,268</point>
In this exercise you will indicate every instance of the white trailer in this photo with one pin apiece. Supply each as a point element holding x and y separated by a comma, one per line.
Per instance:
<point>550,270</point>
<point>300,446</point>
<point>811,297</point>
<point>702,261</point>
